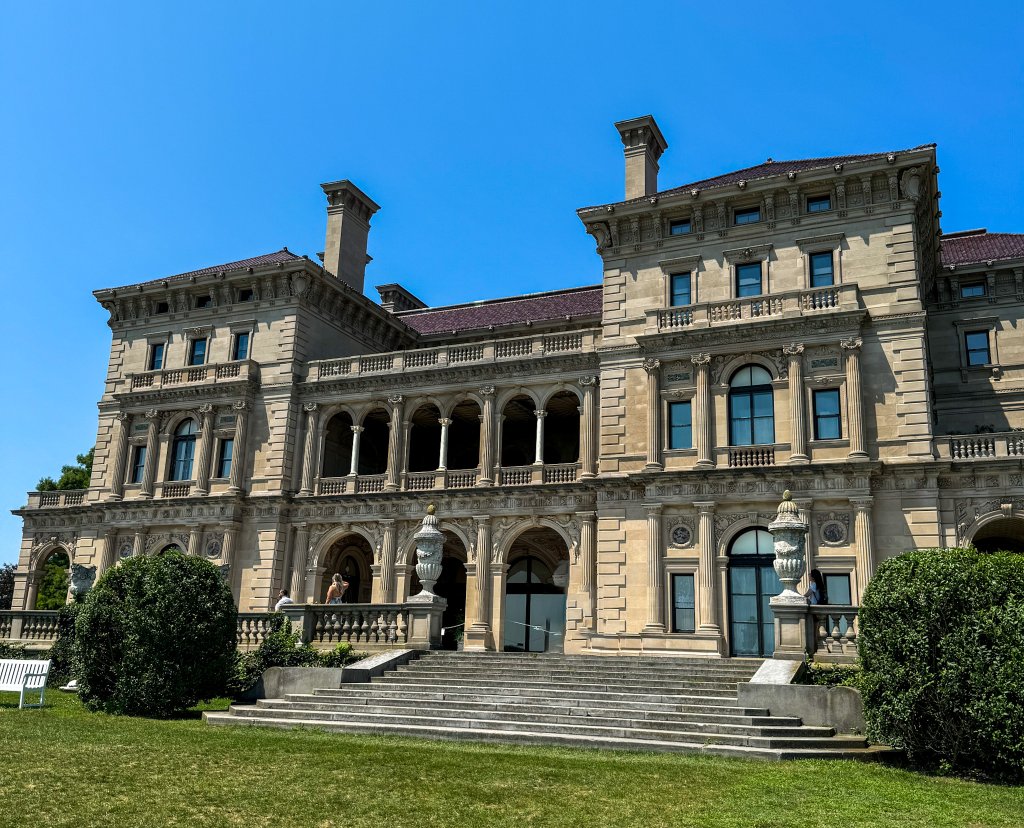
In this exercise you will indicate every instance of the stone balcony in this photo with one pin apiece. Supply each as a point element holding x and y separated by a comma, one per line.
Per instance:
<point>967,447</point>
<point>56,500</point>
<point>194,375</point>
<point>448,479</point>
<point>476,353</point>
<point>789,305</point>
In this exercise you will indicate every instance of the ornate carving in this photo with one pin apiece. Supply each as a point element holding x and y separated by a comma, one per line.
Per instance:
<point>588,382</point>
<point>395,399</point>
<point>833,528</point>
<point>651,365</point>
<point>680,532</point>
<point>852,343</point>
<point>701,360</point>
<point>310,407</point>
<point>487,391</point>
<point>793,349</point>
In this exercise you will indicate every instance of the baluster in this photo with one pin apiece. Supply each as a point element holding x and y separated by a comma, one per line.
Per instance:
<point>365,628</point>
<point>346,627</point>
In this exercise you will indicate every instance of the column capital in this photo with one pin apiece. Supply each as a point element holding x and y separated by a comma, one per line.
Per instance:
<point>705,507</point>
<point>487,391</point>
<point>396,399</point>
<point>591,515</point>
<point>152,415</point>
<point>862,504</point>
<point>445,421</point>
<point>794,349</point>
<point>206,409</point>
<point>540,413</point>
<point>651,365</point>
<point>123,416</point>
<point>482,519</point>
<point>239,405</point>
<point>852,343</point>
<point>310,407</point>
<point>654,509</point>
<point>701,360</point>
<point>588,382</point>
<point>357,429</point>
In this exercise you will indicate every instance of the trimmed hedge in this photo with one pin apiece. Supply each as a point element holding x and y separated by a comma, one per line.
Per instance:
<point>941,645</point>
<point>155,636</point>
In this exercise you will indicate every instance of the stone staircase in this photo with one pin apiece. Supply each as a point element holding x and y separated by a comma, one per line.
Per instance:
<point>685,705</point>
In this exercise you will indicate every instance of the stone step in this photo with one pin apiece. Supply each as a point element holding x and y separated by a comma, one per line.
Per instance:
<point>497,658</point>
<point>509,719</point>
<point>838,747</point>
<point>422,668</point>
<point>593,665</point>
<point>693,697</point>
<point>660,688</point>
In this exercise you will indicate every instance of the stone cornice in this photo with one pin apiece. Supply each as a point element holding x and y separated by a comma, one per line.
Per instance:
<point>174,396</point>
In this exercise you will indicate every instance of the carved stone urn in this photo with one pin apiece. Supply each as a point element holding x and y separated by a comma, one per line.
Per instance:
<point>789,533</point>
<point>429,546</point>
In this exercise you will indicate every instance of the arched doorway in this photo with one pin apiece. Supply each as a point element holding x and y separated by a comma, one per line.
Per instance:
<point>352,557</point>
<point>337,459</point>
<point>452,587</point>
<point>535,592</point>
<point>373,445</point>
<point>518,432</point>
<point>1000,535</point>
<point>752,584</point>
<point>424,438</point>
<point>53,581</point>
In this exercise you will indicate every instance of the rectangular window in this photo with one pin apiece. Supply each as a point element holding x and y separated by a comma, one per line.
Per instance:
<point>679,287</point>
<point>204,302</point>
<point>162,307</point>
<point>822,274</point>
<point>156,356</point>
<point>748,279</point>
<point>837,590</point>
<point>680,425</point>
<point>138,465</point>
<point>827,420</point>
<point>976,343</point>
<point>197,352</point>
<point>240,350</point>
<point>819,204</point>
<point>679,227</point>
<point>748,215</point>
<point>683,620</point>
<point>227,449</point>
<point>972,291</point>
<point>246,295</point>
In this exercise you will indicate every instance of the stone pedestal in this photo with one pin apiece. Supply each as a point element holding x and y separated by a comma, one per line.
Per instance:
<point>424,632</point>
<point>790,608</point>
<point>791,639</point>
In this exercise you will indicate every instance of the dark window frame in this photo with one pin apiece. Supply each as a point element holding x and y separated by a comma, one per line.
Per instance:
<point>819,255</point>
<point>196,355</point>
<point>681,429</point>
<point>817,200</point>
<point>742,216</point>
<point>203,302</point>
<point>688,276</point>
<point>827,418</point>
<point>157,356</point>
<point>246,295</point>
<point>740,294</point>
<point>970,351</point>
<point>688,623</point>
<point>138,466</point>
<point>675,227</point>
<point>225,457</point>
<point>238,338</point>
<point>969,286</point>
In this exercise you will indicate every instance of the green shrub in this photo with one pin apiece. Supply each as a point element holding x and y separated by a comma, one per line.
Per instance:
<point>282,648</point>
<point>9,649</point>
<point>831,675</point>
<point>942,650</point>
<point>155,636</point>
<point>61,654</point>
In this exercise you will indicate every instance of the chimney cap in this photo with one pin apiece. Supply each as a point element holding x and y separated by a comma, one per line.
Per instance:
<point>337,190</point>
<point>642,132</point>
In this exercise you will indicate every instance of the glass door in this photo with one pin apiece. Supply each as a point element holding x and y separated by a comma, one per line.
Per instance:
<point>752,585</point>
<point>534,608</point>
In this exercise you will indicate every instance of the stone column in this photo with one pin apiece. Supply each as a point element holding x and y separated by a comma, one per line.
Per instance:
<point>854,402</point>
<point>655,599</point>
<point>202,471</point>
<point>653,369</point>
<point>865,541</point>
<point>387,562</point>
<point>109,556</point>
<point>588,458</point>
<point>139,543</point>
<point>357,432</point>
<point>540,414</point>
<point>193,541</point>
<point>122,423</point>
<point>708,618</point>
<point>499,428</point>
<point>300,551</point>
<point>797,417</point>
<point>442,460</point>
<point>588,565</point>
<point>309,449</point>
<point>149,471</point>
<point>227,558</point>
<point>478,634</point>
<point>394,444</point>
<point>702,417</point>
<point>32,592</point>
<point>241,409</point>
<point>487,442</point>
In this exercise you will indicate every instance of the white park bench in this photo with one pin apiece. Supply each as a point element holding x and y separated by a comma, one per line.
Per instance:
<point>20,675</point>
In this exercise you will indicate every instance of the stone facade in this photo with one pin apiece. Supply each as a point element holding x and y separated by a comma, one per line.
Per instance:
<point>545,427</point>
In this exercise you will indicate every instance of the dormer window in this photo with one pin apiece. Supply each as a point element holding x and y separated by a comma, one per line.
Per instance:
<point>680,227</point>
<point>819,204</point>
<point>974,290</point>
<point>748,215</point>
<point>204,301</point>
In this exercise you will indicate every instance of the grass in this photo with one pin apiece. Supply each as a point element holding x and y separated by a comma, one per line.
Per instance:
<point>62,766</point>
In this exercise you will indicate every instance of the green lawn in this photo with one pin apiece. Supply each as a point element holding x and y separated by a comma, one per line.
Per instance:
<point>62,766</point>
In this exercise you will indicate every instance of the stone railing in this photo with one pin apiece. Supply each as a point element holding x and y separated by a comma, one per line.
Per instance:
<point>516,475</point>
<point>29,626</point>
<point>441,479</point>
<point>751,456</point>
<point>367,626</point>
<point>193,375</point>
<point>56,500</point>
<point>981,446</point>
<point>491,351</point>
<point>561,472</point>
<point>834,632</point>
<point>176,488</point>
<point>791,304</point>
<point>252,629</point>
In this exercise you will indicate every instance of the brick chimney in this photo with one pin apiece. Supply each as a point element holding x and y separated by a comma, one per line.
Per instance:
<point>643,145</point>
<point>349,210</point>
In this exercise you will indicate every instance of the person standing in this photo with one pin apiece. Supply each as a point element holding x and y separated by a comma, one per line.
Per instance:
<point>336,591</point>
<point>282,598</point>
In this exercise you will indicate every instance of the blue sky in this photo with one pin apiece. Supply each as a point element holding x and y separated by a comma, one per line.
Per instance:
<point>144,139</point>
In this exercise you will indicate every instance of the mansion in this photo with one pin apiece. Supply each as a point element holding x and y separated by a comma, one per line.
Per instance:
<point>604,460</point>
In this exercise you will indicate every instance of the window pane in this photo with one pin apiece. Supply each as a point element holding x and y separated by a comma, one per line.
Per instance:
<point>682,604</point>
<point>972,291</point>
<point>156,357</point>
<point>764,431</point>
<point>227,448</point>
<point>763,403</point>
<point>679,227</point>
<point>826,415</point>
<point>821,270</point>
<point>138,464</point>
<point>197,352</point>
<point>680,426</point>
<point>680,289</point>
<point>818,204</point>
<point>977,348</point>
<point>747,216</point>
<point>748,280</point>
<point>837,589</point>
<point>241,346</point>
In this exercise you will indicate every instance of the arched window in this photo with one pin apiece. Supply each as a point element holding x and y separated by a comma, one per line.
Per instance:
<point>752,584</point>
<point>751,407</point>
<point>183,450</point>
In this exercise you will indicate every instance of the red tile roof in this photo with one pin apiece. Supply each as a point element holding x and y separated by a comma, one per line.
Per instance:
<point>283,255</point>
<point>976,246</point>
<point>771,168</point>
<point>514,310</point>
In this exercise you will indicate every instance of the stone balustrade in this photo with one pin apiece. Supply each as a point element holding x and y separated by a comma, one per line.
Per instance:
<point>243,370</point>
<point>176,488</point>
<point>252,629</point>
<point>741,457</point>
<point>367,627</point>
<point>996,445</point>
<point>834,632</point>
<point>29,626</point>
<point>442,479</point>
<point>58,499</point>
<point>783,305</point>
<point>491,351</point>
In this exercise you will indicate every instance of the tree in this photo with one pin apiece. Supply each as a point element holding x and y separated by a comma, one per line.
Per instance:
<point>71,477</point>
<point>7,585</point>
<point>53,589</point>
